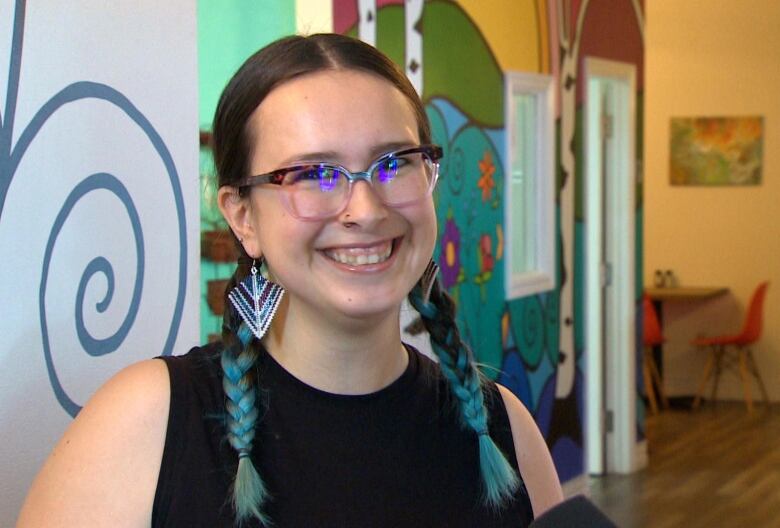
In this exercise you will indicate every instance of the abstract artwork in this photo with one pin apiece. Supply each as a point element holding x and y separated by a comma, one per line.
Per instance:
<point>716,150</point>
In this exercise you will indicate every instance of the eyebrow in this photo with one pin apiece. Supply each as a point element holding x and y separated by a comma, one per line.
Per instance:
<point>331,156</point>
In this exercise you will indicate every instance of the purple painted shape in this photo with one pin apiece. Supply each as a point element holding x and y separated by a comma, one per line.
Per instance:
<point>450,270</point>
<point>545,406</point>
<point>568,458</point>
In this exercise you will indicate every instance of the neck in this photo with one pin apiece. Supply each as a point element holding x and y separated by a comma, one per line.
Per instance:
<point>337,355</point>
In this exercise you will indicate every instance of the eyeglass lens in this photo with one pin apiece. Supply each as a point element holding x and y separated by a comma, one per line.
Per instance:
<point>318,191</point>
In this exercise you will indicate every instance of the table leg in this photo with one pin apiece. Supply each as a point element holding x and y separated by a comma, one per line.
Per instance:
<point>658,350</point>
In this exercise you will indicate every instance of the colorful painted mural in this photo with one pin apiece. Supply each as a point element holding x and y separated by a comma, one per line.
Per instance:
<point>532,345</point>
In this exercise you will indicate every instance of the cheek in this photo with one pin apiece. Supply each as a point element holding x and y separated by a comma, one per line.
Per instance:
<point>425,223</point>
<point>275,231</point>
<point>287,242</point>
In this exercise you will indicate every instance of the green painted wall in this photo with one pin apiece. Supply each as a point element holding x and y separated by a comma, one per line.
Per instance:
<point>229,31</point>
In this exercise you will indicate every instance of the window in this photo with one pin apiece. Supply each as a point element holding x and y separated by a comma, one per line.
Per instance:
<point>530,193</point>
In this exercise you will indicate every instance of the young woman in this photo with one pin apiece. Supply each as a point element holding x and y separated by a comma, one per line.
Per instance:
<point>311,411</point>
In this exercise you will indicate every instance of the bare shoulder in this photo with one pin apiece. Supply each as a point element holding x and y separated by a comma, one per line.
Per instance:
<point>104,469</point>
<point>533,457</point>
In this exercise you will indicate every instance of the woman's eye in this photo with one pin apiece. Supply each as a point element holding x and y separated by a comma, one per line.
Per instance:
<point>328,178</point>
<point>322,178</point>
<point>388,169</point>
<point>310,174</point>
<point>393,168</point>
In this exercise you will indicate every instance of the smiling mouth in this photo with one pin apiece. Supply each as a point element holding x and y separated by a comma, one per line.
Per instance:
<point>364,256</point>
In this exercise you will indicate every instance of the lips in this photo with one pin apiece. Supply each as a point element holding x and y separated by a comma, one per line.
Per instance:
<point>361,256</point>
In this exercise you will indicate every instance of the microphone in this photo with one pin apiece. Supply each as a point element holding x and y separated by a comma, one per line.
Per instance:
<point>577,512</point>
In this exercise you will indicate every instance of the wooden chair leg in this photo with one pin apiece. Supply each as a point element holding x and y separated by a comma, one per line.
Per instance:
<point>754,368</point>
<point>704,377</point>
<point>658,382</point>
<point>743,373</point>
<point>649,391</point>
<point>719,352</point>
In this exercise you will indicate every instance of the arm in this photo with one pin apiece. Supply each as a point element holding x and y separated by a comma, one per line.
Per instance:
<point>533,457</point>
<point>103,471</point>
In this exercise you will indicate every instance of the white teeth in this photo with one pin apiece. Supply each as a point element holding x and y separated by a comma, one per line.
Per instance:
<point>361,259</point>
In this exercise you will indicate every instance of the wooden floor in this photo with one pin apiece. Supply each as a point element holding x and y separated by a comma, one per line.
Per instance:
<point>714,467</point>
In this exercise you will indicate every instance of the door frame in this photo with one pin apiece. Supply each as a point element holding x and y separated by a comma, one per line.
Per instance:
<point>619,453</point>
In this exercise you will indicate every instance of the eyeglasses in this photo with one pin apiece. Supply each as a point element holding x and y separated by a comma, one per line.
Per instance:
<point>315,191</point>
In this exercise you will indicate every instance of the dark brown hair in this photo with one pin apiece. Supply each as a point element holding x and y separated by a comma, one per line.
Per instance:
<point>282,61</point>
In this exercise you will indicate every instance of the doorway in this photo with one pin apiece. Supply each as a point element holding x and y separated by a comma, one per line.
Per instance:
<point>609,187</point>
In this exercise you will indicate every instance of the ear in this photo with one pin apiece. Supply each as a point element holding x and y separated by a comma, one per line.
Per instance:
<point>237,210</point>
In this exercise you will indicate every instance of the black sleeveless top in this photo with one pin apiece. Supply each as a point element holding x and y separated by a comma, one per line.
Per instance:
<point>397,457</point>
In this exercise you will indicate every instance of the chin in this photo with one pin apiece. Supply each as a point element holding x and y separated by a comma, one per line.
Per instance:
<point>372,307</point>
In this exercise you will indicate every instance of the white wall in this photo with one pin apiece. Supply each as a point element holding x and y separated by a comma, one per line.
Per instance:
<point>91,173</point>
<point>313,16</point>
<point>707,58</point>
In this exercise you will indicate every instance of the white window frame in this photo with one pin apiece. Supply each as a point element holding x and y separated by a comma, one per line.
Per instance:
<point>542,277</point>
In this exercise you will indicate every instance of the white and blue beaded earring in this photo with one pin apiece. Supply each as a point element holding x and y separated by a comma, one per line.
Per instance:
<point>256,300</point>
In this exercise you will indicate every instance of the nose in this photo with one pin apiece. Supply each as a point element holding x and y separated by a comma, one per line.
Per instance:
<point>363,206</point>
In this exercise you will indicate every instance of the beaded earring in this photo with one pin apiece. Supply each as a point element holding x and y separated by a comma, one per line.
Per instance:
<point>256,300</point>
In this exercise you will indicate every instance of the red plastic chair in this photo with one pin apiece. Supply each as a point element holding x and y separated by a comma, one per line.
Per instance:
<point>729,351</point>
<point>652,337</point>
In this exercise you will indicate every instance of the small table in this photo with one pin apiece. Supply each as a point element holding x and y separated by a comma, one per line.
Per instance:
<point>677,294</point>
<point>682,293</point>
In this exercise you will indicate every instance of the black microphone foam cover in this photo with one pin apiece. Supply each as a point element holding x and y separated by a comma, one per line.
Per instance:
<point>577,512</point>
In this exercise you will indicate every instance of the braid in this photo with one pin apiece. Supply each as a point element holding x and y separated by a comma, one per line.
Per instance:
<point>499,479</point>
<point>239,355</point>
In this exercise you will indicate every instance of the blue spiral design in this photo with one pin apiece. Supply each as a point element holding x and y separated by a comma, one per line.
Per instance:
<point>10,157</point>
<point>100,347</point>
<point>94,347</point>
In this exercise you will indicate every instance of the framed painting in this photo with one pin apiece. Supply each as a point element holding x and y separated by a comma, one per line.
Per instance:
<point>716,150</point>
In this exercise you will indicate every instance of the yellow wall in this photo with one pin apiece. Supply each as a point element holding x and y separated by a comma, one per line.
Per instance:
<point>707,58</point>
<point>512,28</point>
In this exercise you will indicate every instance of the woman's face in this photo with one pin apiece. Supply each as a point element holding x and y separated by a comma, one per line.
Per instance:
<point>363,261</point>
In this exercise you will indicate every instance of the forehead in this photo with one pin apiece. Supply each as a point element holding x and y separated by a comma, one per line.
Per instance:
<point>345,112</point>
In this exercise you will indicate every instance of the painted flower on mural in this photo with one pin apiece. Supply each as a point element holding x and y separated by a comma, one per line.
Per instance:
<point>485,258</point>
<point>499,242</point>
<point>450,254</point>
<point>486,171</point>
<point>486,249</point>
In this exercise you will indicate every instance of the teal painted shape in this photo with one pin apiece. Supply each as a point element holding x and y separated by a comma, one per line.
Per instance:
<point>452,118</point>
<point>551,301</point>
<point>479,291</point>
<point>528,326</point>
<point>534,331</point>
